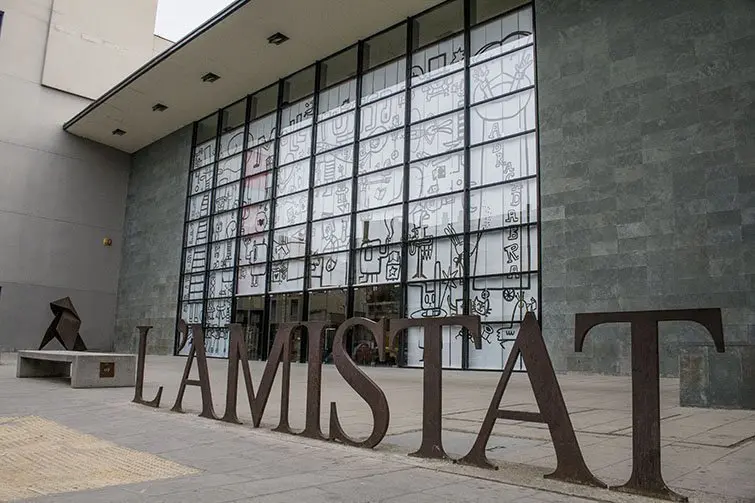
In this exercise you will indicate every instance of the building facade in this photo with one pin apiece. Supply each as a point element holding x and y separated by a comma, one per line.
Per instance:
<point>60,195</point>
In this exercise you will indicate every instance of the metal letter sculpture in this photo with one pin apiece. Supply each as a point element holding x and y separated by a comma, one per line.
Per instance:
<point>65,326</point>
<point>198,350</point>
<point>140,372</point>
<point>646,478</point>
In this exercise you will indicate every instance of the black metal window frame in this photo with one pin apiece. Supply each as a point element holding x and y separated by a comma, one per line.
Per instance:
<point>354,248</point>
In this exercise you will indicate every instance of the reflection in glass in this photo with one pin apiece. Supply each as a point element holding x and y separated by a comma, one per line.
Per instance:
<point>373,303</point>
<point>250,314</point>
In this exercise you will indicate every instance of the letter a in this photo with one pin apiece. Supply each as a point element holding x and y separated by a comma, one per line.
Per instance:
<point>198,350</point>
<point>570,465</point>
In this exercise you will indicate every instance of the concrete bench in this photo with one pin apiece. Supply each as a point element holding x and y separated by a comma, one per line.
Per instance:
<point>86,370</point>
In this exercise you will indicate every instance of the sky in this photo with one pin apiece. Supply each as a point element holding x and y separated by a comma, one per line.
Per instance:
<point>176,18</point>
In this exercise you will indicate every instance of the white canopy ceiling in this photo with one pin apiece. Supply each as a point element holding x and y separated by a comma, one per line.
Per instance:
<point>234,46</point>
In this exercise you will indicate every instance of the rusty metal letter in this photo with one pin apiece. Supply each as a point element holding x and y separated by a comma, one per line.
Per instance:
<point>361,383</point>
<point>315,347</point>
<point>143,331</point>
<point>646,478</point>
<point>198,350</point>
<point>432,443</point>
<point>570,464</point>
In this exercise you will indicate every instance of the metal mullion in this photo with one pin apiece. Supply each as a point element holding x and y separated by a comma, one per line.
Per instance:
<point>405,185</point>
<point>467,178</point>
<point>211,220</point>
<point>352,250</point>
<point>537,172</point>
<point>240,213</point>
<point>439,77</point>
<point>524,6</point>
<point>384,63</point>
<point>439,154</point>
<point>182,263</point>
<point>438,116</point>
<point>504,138</point>
<point>382,133</point>
<point>525,178</point>
<point>445,38</point>
<point>310,195</point>
<point>268,266</point>
<point>257,145</point>
<point>339,147</point>
<point>502,55</point>
<point>521,90</point>
<point>436,196</point>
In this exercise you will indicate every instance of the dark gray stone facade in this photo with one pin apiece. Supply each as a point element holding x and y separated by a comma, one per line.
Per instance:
<point>647,151</point>
<point>149,276</point>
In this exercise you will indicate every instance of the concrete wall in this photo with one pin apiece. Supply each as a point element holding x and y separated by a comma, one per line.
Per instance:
<point>148,286</point>
<point>59,196</point>
<point>93,44</point>
<point>648,170</point>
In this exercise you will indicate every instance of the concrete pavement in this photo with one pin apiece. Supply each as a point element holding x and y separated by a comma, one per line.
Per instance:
<point>708,455</point>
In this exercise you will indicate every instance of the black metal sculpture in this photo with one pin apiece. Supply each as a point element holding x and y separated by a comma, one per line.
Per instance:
<point>65,326</point>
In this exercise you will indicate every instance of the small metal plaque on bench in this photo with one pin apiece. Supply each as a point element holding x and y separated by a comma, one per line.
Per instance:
<point>107,369</point>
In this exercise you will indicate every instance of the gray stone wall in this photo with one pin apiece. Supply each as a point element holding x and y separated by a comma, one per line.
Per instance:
<point>647,129</point>
<point>149,276</point>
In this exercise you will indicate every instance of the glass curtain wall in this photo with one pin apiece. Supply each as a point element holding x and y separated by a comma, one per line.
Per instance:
<point>396,178</point>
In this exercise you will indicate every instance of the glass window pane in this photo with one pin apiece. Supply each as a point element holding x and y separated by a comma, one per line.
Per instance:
<point>508,251</point>
<point>504,75</point>
<point>439,22</point>
<point>264,101</point>
<point>191,312</point>
<point>216,342</point>
<point>335,165</point>
<point>437,135</point>
<point>257,188</point>
<point>253,249</point>
<point>220,284</point>
<point>384,81</point>
<point>229,170</point>
<point>204,154</point>
<point>335,132</point>
<point>379,227</point>
<point>226,198</point>
<point>380,189</point>
<point>331,200</point>
<point>260,159</point>
<point>224,225</point>
<point>331,235</point>
<point>295,147</point>
<point>503,117</point>
<point>201,180</point>
<point>436,259</point>
<point>328,305</point>
<point>337,100</point>
<point>223,254</point>
<point>382,116</point>
<point>384,47</point>
<point>233,117</point>
<point>503,205</point>
<point>503,298</point>
<point>497,343</point>
<point>255,218</point>
<point>218,313</point>
<point>296,116</point>
<point>504,160</point>
<point>451,351</point>
<point>251,280</point>
<point>250,312</point>
<point>485,9</point>
<point>381,151</point>
<point>231,142</point>
<point>501,35</point>
<point>436,176</point>
<point>328,271</point>
<point>291,210</point>
<point>381,264</point>
<point>261,130</point>
<point>438,97</point>
<point>299,85</point>
<point>287,275</point>
<point>195,259</point>
<point>292,178</point>
<point>207,128</point>
<point>290,242</point>
<point>199,206</point>
<point>436,217</point>
<point>193,287</point>
<point>339,67</point>
<point>440,59</point>
<point>197,232</point>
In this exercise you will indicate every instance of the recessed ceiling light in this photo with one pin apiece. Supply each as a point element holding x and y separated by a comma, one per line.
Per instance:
<point>159,107</point>
<point>118,132</point>
<point>277,38</point>
<point>210,77</point>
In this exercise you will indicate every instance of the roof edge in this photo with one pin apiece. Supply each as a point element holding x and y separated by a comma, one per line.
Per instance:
<point>217,18</point>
